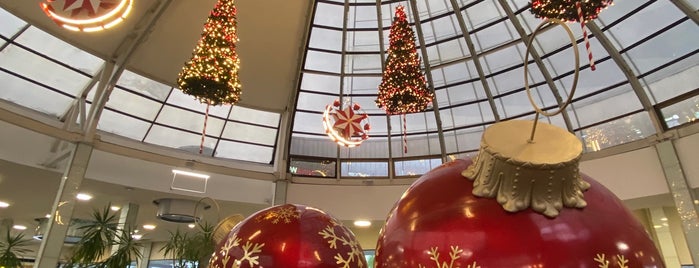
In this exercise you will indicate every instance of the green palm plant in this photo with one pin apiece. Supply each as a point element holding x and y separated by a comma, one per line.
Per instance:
<point>128,249</point>
<point>176,247</point>
<point>98,236</point>
<point>10,249</point>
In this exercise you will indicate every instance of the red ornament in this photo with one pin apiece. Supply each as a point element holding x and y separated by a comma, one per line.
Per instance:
<point>289,236</point>
<point>439,223</point>
<point>346,125</point>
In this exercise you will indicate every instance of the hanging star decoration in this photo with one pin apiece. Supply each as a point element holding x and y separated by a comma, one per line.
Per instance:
<point>87,15</point>
<point>346,125</point>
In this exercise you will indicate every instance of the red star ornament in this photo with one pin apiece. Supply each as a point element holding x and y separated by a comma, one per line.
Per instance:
<point>348,123</point>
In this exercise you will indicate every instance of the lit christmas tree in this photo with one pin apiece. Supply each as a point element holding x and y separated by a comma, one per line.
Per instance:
<point>567,10</point>
<point>211,75</point>
<point>403,88</point>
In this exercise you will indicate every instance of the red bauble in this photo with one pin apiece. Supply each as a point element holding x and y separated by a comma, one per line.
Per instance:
<point>439,223</point>
<point>289,236</point>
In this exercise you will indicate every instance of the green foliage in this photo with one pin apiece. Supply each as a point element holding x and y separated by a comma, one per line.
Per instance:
<point>10,249</point>
<point>98,236</point>
<point>190,249</point>
<point>128,249</point>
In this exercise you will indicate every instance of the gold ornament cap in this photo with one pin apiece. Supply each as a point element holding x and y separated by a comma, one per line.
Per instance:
<point>225,226</point>
<point>520,173</point>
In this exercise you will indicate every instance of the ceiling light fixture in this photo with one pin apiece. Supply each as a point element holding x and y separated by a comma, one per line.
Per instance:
<point>189,181</point>
<point>362,223</point>
<point>136,236</point>
<point>191,225</point>
<point>83,196</point>
<point>4,204</point>
<point>19,227</point>
<point>115,208</point>
<point>149,226</point>
<point>191,174</point>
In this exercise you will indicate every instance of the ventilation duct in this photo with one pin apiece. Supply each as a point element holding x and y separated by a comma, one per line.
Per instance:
<point>180,210</point>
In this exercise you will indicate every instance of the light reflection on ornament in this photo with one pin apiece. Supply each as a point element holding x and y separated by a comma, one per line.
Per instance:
<point>105,21</point>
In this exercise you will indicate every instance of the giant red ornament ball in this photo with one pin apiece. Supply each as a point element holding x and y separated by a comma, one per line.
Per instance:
<point>289,236</point>
<point>439,223</point>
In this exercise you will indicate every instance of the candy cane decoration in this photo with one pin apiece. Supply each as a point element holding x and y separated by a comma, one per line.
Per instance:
<point>203,132</point>
<point>405,135</point>
<point>584,30</point>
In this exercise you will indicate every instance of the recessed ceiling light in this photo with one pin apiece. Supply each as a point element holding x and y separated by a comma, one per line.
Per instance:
<point>19,227</point>
<point>191,225</point>
<point>83,196</point>
<point>4,204</point>
<point>115,208</point>
<point>663,219</point>
<point>48,216</point>
<point>137,236</point>
<point>149,226</point>
<point>362,223</point>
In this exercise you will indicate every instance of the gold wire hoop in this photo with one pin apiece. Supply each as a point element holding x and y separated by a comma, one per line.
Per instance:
<point>575,77</point>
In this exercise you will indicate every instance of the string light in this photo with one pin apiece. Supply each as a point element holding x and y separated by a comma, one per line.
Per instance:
<point>403,87</point>
<point>566,10</point>
<point>211,75</point>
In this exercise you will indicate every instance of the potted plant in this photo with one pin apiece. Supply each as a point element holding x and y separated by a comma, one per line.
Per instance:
<point>189,250</point>
<point>11,247</point>
<point>100,234</point>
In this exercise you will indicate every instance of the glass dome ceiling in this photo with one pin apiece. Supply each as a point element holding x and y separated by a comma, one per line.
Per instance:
<point>472,52</point>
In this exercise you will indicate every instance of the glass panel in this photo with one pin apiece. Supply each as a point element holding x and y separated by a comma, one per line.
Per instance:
<point>440,29</point>
<point>145,86</point>
<point>674,80</point>
<point>320,146</point>
<point>448,51</point>
<point>178,98</point>
<point>122,125</point>
<point>53,47</point>
<point>314,102</point>
<point>10,24</point>
<point>322,61</point>
<point>327,14</point>
<point>374,147</point>
<point>312,168</point>
<point>320,83</point>
<point>246,152</point>
<point>363,41</point>
<point>416,167</point>
<point>638,26</point>
<point>634,127</point>
<point>42,70</point>
<point>665,47</point>
<point>363,64</point>
<point>362,17</point>
<point>250,133</point>
<point>258,117</point>
<point>187,120</point>
<point>326,39</point>
<point>309,122</point>
<point>494,35</point>
<point>133,104</point>
<point>469,139</point>
<point>364,169</point>
<point>173,138</point>
<point>606,105</point>
<point>362,85</point>
<point>30,95</point>
<point>482,13</point>
<point>680,113</point>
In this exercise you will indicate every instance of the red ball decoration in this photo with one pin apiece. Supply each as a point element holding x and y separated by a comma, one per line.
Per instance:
<point>367,127</point>
<point>439,223</point>
<point>336,103</point>
<point>356,107</point>
<point>289,236</point>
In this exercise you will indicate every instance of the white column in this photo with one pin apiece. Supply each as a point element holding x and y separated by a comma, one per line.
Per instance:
<point>62,209</point>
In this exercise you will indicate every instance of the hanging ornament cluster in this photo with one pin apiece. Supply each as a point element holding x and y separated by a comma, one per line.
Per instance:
<point>581,11</point>
<point>347,125</point>
<point>567,10</point>
<point>403,87</point>
<point>87,15</point>
<point>211,75</point>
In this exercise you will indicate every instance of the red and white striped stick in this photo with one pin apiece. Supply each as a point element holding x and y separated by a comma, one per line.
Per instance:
<point>203,132</point>
<point>405,135</point>
<point>584,30</point>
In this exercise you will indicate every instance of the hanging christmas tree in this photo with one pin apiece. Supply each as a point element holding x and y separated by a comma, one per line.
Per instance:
<point>211,75</point>
<point>569,10</point>
<point>403,88</point>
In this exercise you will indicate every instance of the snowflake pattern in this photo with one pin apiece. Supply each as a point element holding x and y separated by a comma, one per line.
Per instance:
<point>281,214</point>
<point>250,253</point>
<point>355,254</point>
<point>602,261</point>
<point>454,255</point>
